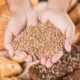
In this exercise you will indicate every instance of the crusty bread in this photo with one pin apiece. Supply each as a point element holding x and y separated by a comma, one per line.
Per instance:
<point>73,3</point>
<point>3,23</point>
<point>73,76</point>
<point>67,64</point>
<point>17,59</point>
<point>4,18</point>
<point>10,78</point>
<point>14,58</point>
<point>75,14</point>
<point>9,68</point>
<point>76,38</point>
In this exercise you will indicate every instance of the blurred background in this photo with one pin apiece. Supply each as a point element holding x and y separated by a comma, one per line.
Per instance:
<point>46,0</point>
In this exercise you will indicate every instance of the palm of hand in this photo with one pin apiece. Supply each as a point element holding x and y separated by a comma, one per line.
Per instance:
<point>15,26</point>
<point>62,21</point>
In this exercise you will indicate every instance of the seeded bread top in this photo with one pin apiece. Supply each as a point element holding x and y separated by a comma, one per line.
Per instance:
<point>43,39</point>
<point>66,65</point>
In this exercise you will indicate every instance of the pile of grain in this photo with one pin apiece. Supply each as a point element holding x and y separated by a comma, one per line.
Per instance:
<point>66,65</point>
<point>43,39</point>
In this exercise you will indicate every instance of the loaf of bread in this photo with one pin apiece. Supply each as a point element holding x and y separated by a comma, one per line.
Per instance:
<point>9,68</point>
<point>67,64</point>
<point>3,23</point>
<point>76,38</point>
<point>18,59</point>
<point>34,2</point>
<point>14,58</point>
<point>4,18</point>
<point>10,78</point>
<point>75,14</point>
<point>73,76</point>
<point>72,4</point>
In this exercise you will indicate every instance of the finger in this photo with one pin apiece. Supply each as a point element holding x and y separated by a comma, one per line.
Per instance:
<point>34,57</point>
<point>10,50</point>
<point>8,42</point>
<point>49,63</point>
<point>10,32</point>
<point>69,35</point>
<point>31,19</point>
<point>67,46</point>
<point>43,61</point>
<point>21,54</point>
<point>29,58</point>
<point>16,24</point>
<point>44,17</point>
<point>57,56</point>
<point>57,18</point>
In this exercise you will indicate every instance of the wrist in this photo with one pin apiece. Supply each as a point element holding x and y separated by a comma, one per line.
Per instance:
<point>60,5</point>
<point>19,6</point>
<point>28,5</point>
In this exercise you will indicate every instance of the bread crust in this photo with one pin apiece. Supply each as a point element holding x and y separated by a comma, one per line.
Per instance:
<point>8,67</point>
<point>10,78</point>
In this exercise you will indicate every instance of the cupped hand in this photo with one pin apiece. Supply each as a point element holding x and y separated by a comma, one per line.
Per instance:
<point>62,21</point>
<point>16,25</point>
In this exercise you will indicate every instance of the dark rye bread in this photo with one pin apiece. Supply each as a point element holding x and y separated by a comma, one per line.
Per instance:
<point>43,39</point>
<point>66,65</point>
<point>73,76</point>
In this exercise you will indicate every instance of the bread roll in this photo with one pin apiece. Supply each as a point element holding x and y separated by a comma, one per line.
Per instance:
<point>34,2</point>
<point>3,24</point>
<point>17,59</point>
<point>14,58</point>
<point>66,65</point>
<point>73,3</point>
<point>73,76</point>
<point>77,34</point>
<point>4,18</point>
<point>75,14</point>
<point>8,67</point>
<point>11,78</point>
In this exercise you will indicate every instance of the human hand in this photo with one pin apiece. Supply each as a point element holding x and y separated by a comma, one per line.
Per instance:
<point>20,18</point>
<point>62,21</point>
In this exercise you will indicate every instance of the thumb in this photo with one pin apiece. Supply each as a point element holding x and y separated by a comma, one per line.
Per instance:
<point>69,37</point>
<point>8,37</point>
<point>32,18</point>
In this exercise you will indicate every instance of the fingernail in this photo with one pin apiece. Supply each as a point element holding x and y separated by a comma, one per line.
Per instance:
<point>57,56</point>
<point>34,58</point>
<point>43,61</point>
<point>69,48</point>
<point>49,63</point>
<point>29,58</point>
